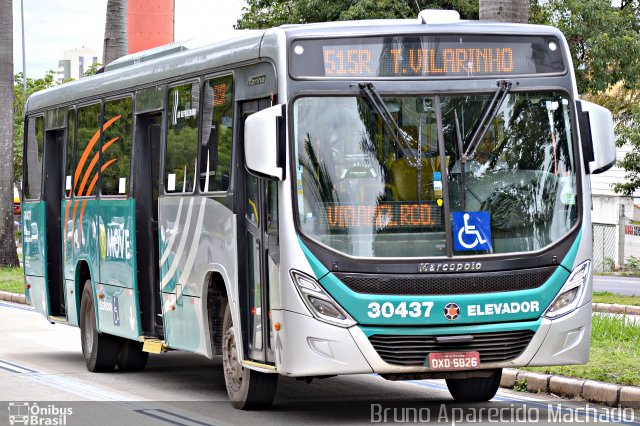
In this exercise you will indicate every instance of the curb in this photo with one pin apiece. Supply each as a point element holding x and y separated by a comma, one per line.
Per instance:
<point>608,394</point>
<point>13,297</point>
<point>616,309</point>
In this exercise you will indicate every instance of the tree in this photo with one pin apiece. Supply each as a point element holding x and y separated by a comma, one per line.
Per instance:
<point>115,31</point>
<point>8,254</point>
<point>272,13</point>
<point>604,41</point>
<point>504,10</point>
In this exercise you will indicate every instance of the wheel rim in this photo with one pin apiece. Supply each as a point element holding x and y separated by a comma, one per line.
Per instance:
<point>87,331</point>
<point>231,364</point>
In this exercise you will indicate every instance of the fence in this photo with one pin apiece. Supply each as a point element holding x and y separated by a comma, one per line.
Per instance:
<point>605,246</point>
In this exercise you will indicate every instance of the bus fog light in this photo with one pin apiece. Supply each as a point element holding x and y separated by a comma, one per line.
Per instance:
<point>319,302</point>
<point>569,296</point>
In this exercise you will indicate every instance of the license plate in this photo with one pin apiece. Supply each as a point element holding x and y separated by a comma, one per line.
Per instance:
<point>453,360</point>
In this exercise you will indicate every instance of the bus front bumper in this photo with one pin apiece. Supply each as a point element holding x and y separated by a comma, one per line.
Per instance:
<point>309,347</point>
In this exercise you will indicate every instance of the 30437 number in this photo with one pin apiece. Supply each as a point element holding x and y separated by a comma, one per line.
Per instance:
<point>402,309</point>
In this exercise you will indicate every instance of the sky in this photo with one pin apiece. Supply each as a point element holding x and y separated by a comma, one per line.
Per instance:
<point>53,26</point>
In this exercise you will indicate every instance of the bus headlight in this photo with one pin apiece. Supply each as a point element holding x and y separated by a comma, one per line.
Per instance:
<point>570,294</point>
<point>321,305</point>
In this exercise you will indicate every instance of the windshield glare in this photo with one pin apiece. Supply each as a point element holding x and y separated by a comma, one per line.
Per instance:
<point>361,192</point>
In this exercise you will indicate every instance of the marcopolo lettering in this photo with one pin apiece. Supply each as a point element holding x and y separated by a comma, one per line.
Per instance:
<point>450,267</point>
<point>502,308</point>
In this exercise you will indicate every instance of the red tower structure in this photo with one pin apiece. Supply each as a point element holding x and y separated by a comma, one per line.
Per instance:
<point>150,23</point>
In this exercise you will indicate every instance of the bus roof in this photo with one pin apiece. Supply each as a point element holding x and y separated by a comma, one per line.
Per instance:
<point>191,58</point>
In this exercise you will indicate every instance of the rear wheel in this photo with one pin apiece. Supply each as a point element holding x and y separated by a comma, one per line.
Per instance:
<point>475,389</point>
<point>100,350</point>
<point>132,357</point>
<point>247,389</point>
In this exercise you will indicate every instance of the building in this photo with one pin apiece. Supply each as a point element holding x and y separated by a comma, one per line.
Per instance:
<point>614,237</point>
<point>75,63</point>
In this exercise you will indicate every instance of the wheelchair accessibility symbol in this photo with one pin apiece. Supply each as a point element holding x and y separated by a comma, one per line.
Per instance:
<point>471,231</point>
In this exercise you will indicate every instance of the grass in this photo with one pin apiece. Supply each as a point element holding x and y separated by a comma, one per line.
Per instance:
<point>11,280</point>
<point>608,297</point>
<point>615,353</point>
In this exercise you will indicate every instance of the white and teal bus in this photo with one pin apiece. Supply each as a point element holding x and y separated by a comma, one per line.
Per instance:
<point>403,197</point>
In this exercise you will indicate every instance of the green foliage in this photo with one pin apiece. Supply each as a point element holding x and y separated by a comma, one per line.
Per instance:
<point>603,40</point>
<point>616,299</point>
<point>521,385</point>
<point>272,13</point>
<point>93,69</point>
<point>609,264</point>
<point>12,280</point>
<point>614,356</point>
<point>632,262</point>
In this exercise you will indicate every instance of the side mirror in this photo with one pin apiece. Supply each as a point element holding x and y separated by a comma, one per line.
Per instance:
<point>264,142</point>
<point>598,138</point>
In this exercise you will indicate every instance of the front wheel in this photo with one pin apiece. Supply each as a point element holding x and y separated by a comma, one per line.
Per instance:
<point>100,350</point>
<point>247,389</point>
<point>475,389</point>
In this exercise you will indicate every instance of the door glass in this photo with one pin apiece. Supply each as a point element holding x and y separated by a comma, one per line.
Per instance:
<point>33,162</point>
<point>255,304</point>
<point>252,200</point>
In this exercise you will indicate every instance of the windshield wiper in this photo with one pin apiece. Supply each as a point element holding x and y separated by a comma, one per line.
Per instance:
<point>490,113</point>
<point>370,94</point>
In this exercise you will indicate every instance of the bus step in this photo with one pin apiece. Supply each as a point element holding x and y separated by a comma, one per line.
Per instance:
<point>154,346</point>
<point>258,366</point>
<point>58,320</point>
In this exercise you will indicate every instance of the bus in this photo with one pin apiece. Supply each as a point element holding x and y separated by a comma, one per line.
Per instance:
<point>407,198</point>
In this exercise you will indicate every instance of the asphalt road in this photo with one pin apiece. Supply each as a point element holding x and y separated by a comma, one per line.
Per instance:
<point>42,372</point>
<point>629,286</point>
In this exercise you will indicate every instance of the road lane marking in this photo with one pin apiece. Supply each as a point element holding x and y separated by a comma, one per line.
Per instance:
<point>14,368</point>
<point>169,417</point>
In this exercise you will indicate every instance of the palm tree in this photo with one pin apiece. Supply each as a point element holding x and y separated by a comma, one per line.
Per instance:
<point>504,10</point>
<point>115,31</point>
<point>8,255</point>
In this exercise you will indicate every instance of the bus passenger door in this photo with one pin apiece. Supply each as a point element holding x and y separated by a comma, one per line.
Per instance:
<point>262,257</point>
<point>52,195</point>
<point>146,183</point>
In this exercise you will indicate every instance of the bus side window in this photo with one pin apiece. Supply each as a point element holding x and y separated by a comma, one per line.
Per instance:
<point>217,137</point>
<point>85,177</point>
<point>116,147</point>
<point>71,136</point>
<point>33,160</point>
<point>182,138</point>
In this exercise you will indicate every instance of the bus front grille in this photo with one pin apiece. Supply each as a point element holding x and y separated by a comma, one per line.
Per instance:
<point>414,350</point>
<point>435,284</point>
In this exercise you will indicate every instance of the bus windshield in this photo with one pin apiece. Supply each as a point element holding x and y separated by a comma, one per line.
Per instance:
<point>367,192</point>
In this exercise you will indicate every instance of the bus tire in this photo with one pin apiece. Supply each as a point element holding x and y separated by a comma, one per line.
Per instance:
<point>132,357</point>
<point>247,389</point>
<point>100,350</point>
<point>475,389</point>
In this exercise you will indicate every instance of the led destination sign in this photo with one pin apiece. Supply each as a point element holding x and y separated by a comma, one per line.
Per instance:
<point>388,216</point>
<point>433,56</point>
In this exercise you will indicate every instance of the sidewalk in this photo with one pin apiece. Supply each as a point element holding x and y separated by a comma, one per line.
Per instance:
<point>608,394</point>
